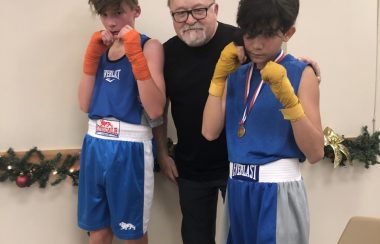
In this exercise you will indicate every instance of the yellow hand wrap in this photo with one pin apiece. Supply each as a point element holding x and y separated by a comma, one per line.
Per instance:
<point>275,75</point>
<point>228,62</point>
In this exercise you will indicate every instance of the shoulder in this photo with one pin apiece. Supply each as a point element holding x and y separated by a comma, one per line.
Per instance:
<point>174,46</point>
<point>153,48</point>
<point>171,42</point>
<point>144,38</point>
<point>153,43</point>
<point>290,59</point>
<point>224,34</point>
<point>227,27</point>
<point>292,64</point>
<point>226,31</point>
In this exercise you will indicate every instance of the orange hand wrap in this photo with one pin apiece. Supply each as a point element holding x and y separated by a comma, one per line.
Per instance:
<point>94,50</point>
<point>135,55</point>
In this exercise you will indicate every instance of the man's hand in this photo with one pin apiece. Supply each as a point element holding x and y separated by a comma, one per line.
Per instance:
<point>314,65</point>
<point>169,168</point>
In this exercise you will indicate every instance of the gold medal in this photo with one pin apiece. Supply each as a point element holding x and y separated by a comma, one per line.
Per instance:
<point>241,131</point>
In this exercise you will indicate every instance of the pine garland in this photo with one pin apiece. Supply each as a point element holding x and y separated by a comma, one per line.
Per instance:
<point>26,173</point>
<point>364,149</point>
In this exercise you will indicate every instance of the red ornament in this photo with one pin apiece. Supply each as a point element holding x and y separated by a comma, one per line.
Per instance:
<point>22,181</point>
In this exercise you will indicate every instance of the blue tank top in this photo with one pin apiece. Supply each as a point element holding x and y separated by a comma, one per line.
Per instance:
<point>115,91</point>
<point>268,135</point>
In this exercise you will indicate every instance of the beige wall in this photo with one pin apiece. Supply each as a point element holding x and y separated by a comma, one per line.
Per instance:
<point>42,45</point>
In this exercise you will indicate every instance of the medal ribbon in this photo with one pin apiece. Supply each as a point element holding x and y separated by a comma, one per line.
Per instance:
<point>247,109</point>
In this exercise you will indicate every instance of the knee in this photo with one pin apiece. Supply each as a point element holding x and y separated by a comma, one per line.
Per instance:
<point>101,236</point>
<point>142,240</point>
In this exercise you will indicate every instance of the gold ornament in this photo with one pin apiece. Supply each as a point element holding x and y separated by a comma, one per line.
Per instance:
<point>334,140</point>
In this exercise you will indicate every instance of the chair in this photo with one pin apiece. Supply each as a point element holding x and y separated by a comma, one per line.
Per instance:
<point>361,230</point>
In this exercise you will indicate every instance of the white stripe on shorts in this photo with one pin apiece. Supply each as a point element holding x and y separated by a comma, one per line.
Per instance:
<point>148,183</point>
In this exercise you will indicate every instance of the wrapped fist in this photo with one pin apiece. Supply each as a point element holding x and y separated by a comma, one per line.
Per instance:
<point>228,62</point>
<point>275,75</point>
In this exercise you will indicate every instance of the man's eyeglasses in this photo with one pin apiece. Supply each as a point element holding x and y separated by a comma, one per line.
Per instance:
<point>197,13</point>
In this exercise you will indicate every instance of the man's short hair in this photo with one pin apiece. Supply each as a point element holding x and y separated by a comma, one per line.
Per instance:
<point>170,1</point>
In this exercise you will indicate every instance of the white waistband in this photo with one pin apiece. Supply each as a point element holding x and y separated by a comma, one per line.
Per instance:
<point>282,170</point>
<point>113,129</point>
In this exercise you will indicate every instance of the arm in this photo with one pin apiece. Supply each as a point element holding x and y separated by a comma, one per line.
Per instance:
<point>86,86</point>
<point>152,92</point>
<point>166,162</point>
<point>94,51</point>
<point>302,111</point>
<point>147,67</point>
<point>308,130</point>
<point>214,111</point>
<point>213,116</point>
<point>229,61</point>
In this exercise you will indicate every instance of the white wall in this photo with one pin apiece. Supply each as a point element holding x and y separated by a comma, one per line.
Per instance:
<point>42,45</point>
<point>341,35</point>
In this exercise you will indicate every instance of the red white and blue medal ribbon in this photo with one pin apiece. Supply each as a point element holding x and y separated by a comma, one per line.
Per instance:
<point>247,110</point>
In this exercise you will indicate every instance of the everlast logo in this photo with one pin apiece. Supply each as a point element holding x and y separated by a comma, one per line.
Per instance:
<point>111,75</point>
<point>245,172</point>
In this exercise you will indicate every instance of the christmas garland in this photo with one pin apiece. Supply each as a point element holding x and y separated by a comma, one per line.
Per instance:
<point>364,148</point>
<point>25,172</point>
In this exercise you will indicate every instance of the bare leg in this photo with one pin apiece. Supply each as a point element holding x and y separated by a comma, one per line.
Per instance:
<point>102,236</point>
<point>142,240</point>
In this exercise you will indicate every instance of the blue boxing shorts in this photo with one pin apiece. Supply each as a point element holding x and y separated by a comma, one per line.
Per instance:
<point>267,204</point>
<point>116,178</point>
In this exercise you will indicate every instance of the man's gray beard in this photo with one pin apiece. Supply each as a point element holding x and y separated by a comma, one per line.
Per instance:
<point>195,39</point>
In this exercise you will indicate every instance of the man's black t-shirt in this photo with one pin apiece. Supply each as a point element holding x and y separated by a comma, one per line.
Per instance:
<point>188,72</point>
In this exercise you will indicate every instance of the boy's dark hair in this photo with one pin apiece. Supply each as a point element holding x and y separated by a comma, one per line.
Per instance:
<point>266,17</point>
<point>100,6</point>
